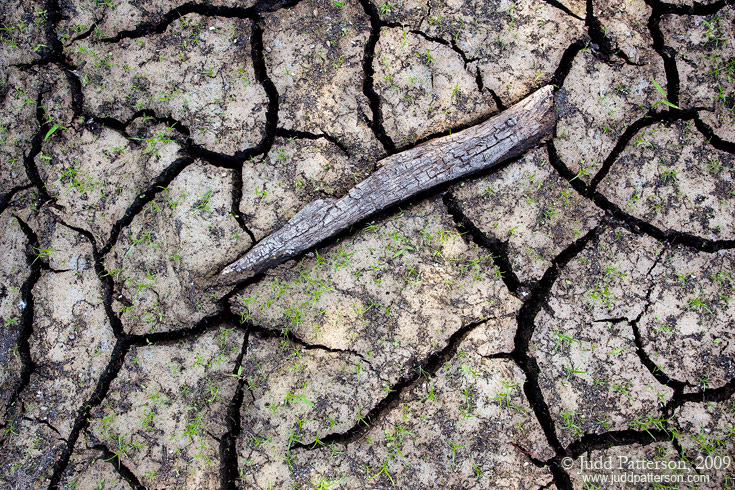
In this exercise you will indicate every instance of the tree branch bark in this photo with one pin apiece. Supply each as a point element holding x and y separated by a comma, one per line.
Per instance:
<point>404,175</point>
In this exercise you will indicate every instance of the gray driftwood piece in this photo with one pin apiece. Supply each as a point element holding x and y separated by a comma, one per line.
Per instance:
<point>406,174</point>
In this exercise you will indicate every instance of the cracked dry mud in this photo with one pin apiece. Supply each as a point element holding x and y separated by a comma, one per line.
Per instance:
<point>571,304</point>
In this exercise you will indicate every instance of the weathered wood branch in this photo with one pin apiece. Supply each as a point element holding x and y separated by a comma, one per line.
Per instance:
<point>406,174</point>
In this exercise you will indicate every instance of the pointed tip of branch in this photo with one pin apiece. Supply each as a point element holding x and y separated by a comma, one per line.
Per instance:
<point>295,236</point>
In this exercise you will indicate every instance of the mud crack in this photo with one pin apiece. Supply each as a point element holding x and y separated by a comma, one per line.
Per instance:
<point>426,367</point>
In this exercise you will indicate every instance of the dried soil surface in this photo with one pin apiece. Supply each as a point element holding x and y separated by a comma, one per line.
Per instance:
<point>575,304</point>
